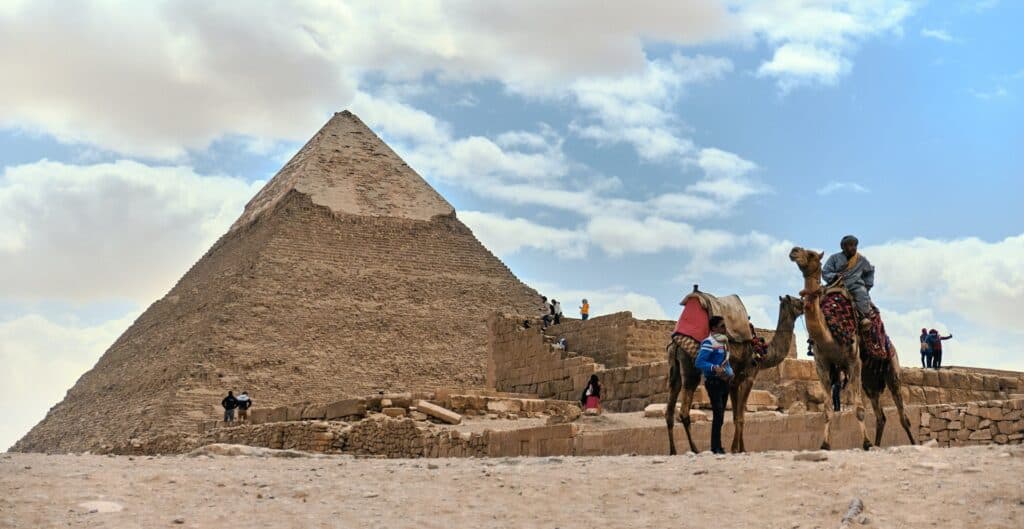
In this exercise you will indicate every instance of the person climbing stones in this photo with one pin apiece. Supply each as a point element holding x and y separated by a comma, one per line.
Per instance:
<point>584,310</point>
<point>591,397</point>
<point>713,362</point>
<point>857,274</point>
<point>547,312</point>
<point>229,404</point>
<point>556,311</point>
<point>244,403</point>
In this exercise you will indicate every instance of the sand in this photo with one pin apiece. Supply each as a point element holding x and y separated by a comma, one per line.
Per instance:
<point>901,487</point>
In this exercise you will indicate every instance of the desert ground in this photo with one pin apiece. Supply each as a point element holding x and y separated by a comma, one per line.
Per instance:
<point>978,486</point>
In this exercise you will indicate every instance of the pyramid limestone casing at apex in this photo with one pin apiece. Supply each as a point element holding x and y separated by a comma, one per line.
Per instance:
<point>348,169</point>
<point>301,301</point>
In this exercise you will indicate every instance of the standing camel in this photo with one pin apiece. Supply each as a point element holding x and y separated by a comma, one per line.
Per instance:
<point>832,356</point>
<point>684,375</point>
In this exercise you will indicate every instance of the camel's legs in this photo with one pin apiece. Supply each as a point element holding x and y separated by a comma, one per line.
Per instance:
<point>740,393</point>
<point>675,384</point>
<point>876,405</point>
<point>857,390</point>
<point>691,379</point>
<point>892,380</point>
<point>826,383</point>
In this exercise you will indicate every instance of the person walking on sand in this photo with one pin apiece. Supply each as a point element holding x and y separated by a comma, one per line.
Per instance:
<point>584,310</point>
<point>229,404</point>
<point>713,362</point>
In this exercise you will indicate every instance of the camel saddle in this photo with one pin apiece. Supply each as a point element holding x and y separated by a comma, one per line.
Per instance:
<point>842,320</point>
<point>731,308</point>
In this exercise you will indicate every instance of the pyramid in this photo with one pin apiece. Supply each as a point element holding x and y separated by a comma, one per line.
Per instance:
<point>345,275</point>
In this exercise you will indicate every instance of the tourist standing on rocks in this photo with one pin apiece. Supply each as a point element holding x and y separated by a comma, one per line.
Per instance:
<point>713,362</point>
<point>584,310</point>
<point>926,350</point>
<point>858,276</point>
<point>229,403</point>
<point>556,311</point>
<point>244,403</point>
<point>935,344</point>
<point>591,398</point>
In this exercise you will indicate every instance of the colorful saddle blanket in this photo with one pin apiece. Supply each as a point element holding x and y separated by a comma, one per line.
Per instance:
<point>842,321</point>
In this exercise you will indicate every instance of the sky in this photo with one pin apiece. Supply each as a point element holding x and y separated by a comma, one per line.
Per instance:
<point>620,152</point>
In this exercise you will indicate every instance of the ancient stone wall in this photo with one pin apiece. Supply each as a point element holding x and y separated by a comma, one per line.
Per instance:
<point>987,422</point>
<point>1000,422</point>
<point>619,340</point>
<point>522,362</point>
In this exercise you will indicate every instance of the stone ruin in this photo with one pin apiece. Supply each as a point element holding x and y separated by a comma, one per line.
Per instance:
<point>331,300</point>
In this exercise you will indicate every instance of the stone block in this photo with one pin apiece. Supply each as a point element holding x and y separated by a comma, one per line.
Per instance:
<point>295,413</point>
<point>279,414</point>
<point>981,435</point>
<point>345,408</point>
<point>930,378</point>
<point>399,400</point>
<point>797,370</point>
<point>504,406</point>
<point>990,382</point>
<point>393,411</point>
<point>438,412</point>
<point>762,399</point>
<point>1006,427</point>
<point>259,415</point>
<point>936,424</point>
<point>314,412</point>
<point>912,376</point>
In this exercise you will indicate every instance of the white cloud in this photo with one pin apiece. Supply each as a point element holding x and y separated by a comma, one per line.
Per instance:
<point>815,39</point>
<point>199,71</point>
<point>636,109</point>
<point>937,34</point>
<point>834,187</point>
<point>505,236</point>
<point>156,79</point>
<point>111,230</point>
<point>41,358</point>
<point>620,235</point>
<point>797,64</point>
<point>996,93</point>
<point>980,281</point>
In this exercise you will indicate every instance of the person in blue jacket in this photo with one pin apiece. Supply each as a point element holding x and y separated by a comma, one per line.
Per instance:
<point>713,362</point>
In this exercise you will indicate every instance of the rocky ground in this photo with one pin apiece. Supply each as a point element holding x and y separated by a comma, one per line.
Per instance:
<point>900,487</point>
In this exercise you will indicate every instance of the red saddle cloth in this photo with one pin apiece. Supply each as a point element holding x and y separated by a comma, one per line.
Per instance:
<point>693,322</point>
<point>842,321</point>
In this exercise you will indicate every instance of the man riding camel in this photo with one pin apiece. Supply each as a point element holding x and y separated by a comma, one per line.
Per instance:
<point>857,274</point>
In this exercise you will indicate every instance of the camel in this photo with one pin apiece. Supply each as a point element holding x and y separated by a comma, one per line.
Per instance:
<point>830,356</point>
<point>684,375</point>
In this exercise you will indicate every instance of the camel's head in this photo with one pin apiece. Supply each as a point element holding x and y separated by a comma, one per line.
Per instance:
<point>791,305</point>
<point>808,261</point>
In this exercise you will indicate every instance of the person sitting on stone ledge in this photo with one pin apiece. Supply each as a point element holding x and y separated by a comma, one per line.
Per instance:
<point>547,312</point>
<point>244,403</point>
<point>713,362</point>
<point>229,403</point>
<point>591,397</point>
